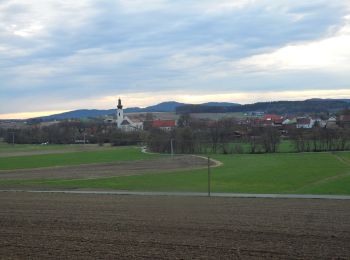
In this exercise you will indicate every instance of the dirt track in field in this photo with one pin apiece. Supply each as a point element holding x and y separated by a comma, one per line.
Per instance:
<point>163,164</point>
<point>134,227</point>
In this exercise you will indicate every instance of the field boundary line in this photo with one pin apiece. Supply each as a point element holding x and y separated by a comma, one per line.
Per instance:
<point>323,181</point>
<point>190,194</point>
<point>341,159</point>
<point>217,163</point>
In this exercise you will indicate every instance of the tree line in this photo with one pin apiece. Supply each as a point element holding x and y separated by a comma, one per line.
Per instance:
<point>224,136</point>
<point>321,139</point>
<point>71,132</point>
<point>228,136</point>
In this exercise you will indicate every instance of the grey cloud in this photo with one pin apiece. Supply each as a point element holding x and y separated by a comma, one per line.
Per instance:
<point>103,47</point>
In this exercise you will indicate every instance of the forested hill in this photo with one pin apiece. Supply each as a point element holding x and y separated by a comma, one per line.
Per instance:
<point>169,106</point>
<point>278,107</point>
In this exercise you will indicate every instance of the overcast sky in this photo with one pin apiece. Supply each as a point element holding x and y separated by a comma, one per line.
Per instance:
<point>58,55</point>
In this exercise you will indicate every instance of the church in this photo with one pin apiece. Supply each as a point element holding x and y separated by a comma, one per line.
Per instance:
<point>125,123</point>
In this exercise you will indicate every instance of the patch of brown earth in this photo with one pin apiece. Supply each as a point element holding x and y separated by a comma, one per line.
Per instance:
<point>163,164</point>
<point>61,226</point>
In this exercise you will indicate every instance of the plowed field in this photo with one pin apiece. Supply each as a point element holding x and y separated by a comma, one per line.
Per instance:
<point>36,225</point>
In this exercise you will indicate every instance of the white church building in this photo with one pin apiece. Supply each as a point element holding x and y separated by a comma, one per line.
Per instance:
<point>125,123</point>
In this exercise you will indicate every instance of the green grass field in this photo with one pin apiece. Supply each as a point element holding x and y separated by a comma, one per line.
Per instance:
<point>72,158</point>
<point>288,173</point>
<point>5,147</point>
<point>285,146</point>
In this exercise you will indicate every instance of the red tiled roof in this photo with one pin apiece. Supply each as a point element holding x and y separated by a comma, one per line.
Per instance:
<point>272,117</point>
<point>163,123</point>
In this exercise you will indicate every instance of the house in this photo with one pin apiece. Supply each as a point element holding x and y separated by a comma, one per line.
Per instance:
<point>109,120</point>
<point>289,121</point>
<point>305,122</point>
<point>166,125</point>
<point>272,117</point>
<point>344,121</point>
<point>331,123</point>
<point>320,123</point>
<point>129,126</point>
<point>272,120</point>
<point>288,124</point>
<point>278,122</point>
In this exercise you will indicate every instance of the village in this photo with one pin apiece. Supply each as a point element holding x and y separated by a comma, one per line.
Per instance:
<point>136,122</point>
<point>250,132</point>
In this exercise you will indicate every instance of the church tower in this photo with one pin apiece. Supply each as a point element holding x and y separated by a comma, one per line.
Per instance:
<point>120,116</point>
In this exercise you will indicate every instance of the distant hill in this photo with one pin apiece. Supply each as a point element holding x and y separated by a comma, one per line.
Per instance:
<point>220,104</point>
<point>81,113</point>
<point>278,107</point>
<point>328,99</point>
<point>169,106</point>
<point>84,113</point>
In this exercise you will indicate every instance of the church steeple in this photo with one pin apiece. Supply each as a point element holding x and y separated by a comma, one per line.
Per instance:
<point>119,104</point>
<point>120,114</point>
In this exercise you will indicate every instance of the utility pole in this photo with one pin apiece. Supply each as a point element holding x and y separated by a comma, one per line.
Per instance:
<point>171,146</point>
<point>209,176</point>
<point>13,137</point>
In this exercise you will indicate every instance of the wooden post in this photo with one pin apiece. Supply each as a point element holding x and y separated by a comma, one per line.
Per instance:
<point>13,137</point>
<point>209,176</point>
<point>171,147</point>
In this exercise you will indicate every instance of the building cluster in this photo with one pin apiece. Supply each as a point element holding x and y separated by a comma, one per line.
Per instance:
<point>255,119</point>
<point>130,124</point>
<point>304,122</point>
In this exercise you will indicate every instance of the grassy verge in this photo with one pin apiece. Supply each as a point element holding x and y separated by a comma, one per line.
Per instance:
<point>306,173</point>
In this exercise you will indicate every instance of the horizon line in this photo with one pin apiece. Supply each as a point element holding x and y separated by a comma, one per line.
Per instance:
<point>36,114</point>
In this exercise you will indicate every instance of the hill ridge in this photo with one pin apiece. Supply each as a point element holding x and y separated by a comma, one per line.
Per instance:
<point>308,106</point>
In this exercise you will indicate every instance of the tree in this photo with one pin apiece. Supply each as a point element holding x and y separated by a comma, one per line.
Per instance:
<point>147,124</point>
<point>184,120</point>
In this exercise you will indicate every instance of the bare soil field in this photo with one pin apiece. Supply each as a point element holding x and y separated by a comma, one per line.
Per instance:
<point>122,168</point>
<point>53,226</point>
